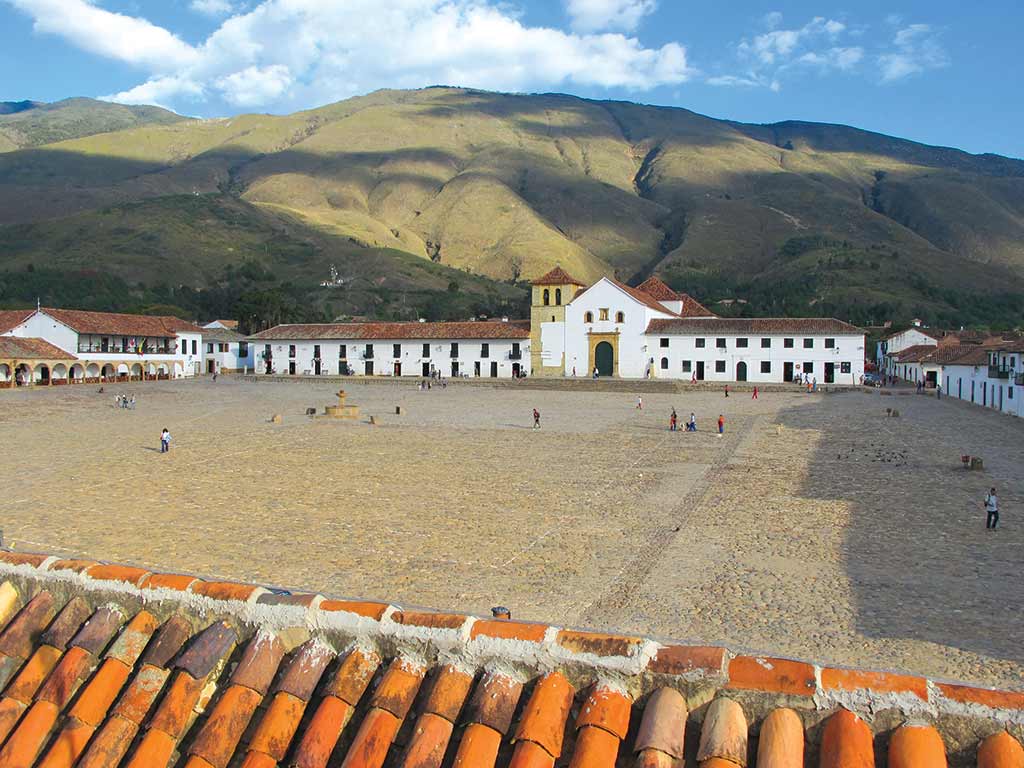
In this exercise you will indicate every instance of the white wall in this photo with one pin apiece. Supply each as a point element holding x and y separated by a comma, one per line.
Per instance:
<point>40,325</point>
<point>632,344</point>
<point>227,361</point>
<point>411,358</point>
<point>911,337</point>
<point>848,349</point>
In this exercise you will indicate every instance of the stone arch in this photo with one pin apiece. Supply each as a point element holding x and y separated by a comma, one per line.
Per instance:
<point>136,371</point>
<point>92,371</point>
<point>179,369</point>
<point>60,372</point>
<point>108,372</point>
<point>23,374</point>
<point>77,372</point>
<point>5,372</point>
<point>150,369</point>
<point>41,374</point>
<point>162,371</point>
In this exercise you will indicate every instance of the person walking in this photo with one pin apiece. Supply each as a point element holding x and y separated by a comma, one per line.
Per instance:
<point>165,441</point>
<point>992,510</point>
<point>721,424</point>
<point>639,403</point>
<point>595,372</point>
<point>673,421</point>
<point>726,390</point>
<point>754,396</point>
<point>691,425</point>
<point>536,419</point>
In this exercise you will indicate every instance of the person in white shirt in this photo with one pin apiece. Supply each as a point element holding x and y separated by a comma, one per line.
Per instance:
<point>992,510</point>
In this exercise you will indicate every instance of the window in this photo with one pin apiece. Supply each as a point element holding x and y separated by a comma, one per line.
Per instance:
<point>368,355</point>
<point>396,350</point>
<point>455,349</point>
<point>222,347</point>
<point>209,348</point>
<point>485,350</point>
<point>602,313</point>
<point>845,368</point>
<point>1009,391</point>
<point>267,354</point>
<point>515,354</point>
<point>193,346</point>
<point>808,367</point>
<point>766,343</point>
<point>829,343</point>
<point>701,343</point>
<point>787,343</point>
<point>808,343</point>
<point>741,343</point>
<point>547,297</point>
<point>663,342</point>
<point>766,366</point>
<point>291,350</point>
<point>342,351</point>
<point>720,343</point>
<point>316,351</point>
<point>588,317</point>
<point>719,366</point>
<point>664,363</point>
<point>687,366</point>
<point>620,317</point>
<point>243,349</point>
<point>558,296</point>
<point>426,350</point>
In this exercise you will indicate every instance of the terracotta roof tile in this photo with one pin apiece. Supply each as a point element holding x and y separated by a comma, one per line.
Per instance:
<point>724,732</point>
<point>508,630</point>
<point>148,703</point>
<point>119,324</point>
<point>635,293</point>
<point>12,318</point>
<point>752,326</point>
<point>916,745</point>
<point>1000,750</point>
<point>483,329</point>
<point>556,276</point>
<point>663,724</point>
<point>656,288</point>
<point>29,348</point>
<point>544,718</point>
<point>494,702</point>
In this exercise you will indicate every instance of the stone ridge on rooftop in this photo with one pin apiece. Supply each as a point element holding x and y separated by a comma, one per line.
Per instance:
<point>210,673</point>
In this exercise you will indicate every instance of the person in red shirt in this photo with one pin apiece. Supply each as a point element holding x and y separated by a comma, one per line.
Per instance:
<point>755,394</point>
<point>721,424</point>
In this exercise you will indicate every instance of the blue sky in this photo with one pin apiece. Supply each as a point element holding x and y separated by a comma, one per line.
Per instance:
<point>939,72</point>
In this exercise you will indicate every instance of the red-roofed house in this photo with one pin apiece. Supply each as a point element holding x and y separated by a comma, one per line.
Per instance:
<point>110,345</point>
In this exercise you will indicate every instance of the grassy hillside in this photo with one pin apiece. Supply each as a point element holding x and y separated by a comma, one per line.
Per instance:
<point>506,186</point>
<point>32,123</point>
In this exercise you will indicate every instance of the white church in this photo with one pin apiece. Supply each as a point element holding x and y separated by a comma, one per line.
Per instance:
<point>608,329</point>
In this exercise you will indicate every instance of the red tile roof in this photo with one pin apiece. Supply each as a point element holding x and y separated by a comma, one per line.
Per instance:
<point>914,354</point>
<point>656,288</point>
<point>489,329</point>
<point>957,354</point>
<point>753,326</point>
<point>116,324</point>
<point>212,674</point>
<point>556,276</point>
<point>12,318</point>
<point>27,348</point>
<point>636,293</point>
<point>693,308</point>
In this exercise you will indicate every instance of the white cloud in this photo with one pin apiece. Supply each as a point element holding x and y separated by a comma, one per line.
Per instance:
<point>779,44</point>
<point>597,15</point>
<point>772,20</point>
<point>212,7</point>
<point>290,54</point>
<point>113,35</point>
<point>834,58</point>
<point>916,49</point>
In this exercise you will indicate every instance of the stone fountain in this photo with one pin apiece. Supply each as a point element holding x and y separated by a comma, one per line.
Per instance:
<point>342,411</point>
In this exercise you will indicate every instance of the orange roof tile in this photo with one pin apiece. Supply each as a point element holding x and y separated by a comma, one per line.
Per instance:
<point>656,288</point>
<point>115,687</point>
<point>119,324</point>
<point>12,318</point>
<point>556,276</point>
<point>30,348</point>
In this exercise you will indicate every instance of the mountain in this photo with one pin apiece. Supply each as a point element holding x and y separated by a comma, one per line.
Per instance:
<point>796,218</point>
<point>34,123</point>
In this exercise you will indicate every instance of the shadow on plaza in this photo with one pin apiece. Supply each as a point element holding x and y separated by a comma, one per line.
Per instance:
<point>919,562</point>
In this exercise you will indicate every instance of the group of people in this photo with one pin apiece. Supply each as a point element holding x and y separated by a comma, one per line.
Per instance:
<point>124,401</point>
<point>431,383</point>
<point>691,423</point>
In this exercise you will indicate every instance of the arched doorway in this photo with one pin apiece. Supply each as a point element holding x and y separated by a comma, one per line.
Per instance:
<point>108,372</point>
<point>77,372</point>
<point>604,358</point>
<point>5,373</point>
<point>42,374</point>
<point>741,371</point>
<point>60,372</point>
<point>136,372</point>
<point>22,374</point>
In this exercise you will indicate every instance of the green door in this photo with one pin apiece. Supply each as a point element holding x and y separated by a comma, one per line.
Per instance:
<point>604,358</point>
<point>741,371</point>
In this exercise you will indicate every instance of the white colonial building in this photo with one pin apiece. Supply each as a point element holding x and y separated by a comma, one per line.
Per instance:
<point>651,331</point>
<point>226,351</point>
<point>488,349</point>
<point>103,346</point>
